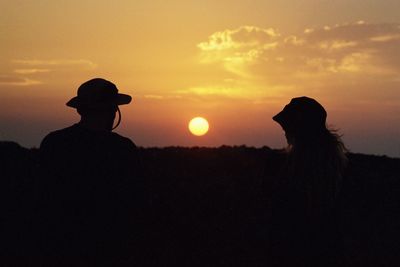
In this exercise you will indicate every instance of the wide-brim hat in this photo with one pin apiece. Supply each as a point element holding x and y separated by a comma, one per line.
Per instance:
<point>302,112</point>
<point>97,93</point>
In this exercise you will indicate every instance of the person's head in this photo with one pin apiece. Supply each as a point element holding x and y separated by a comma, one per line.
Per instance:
<point>303,119</point>
<point>97,102</point>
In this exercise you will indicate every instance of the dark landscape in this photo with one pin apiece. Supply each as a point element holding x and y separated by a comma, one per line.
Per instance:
<point>212,207</point>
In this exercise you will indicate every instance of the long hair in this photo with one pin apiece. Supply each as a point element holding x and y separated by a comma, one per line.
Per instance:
<point>316,155</point>
<point>317,164</point>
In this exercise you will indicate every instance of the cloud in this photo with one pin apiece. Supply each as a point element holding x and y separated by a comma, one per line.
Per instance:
<point>239,47</point>
<point>231,92</point>
<point>83,63</point>
<point>341,48</point>
<point>158,97</point>
<point>161,97</point>
<point>31,67</point>
<point>17,81</point>
<point>245,36</point>
<point>244,91</point>
<point>385,38</point>
<point>31,71</point>
<point>359,57</point>
<point>358,61</point>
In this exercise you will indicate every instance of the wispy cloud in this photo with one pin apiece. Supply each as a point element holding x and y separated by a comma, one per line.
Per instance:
<point>214,91</point>
<point>31,71</point>
<point>28,68</point>
<point>385,38</point>
<point>158,97</point>
<point>243,91</point>
<point>162,97</point>
<point>17,81</point>
<point>84,63</point>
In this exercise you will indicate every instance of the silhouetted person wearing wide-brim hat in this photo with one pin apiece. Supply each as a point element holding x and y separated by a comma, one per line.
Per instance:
<point>91,139</point>
<point>90,177</point>
<point>310,184</point>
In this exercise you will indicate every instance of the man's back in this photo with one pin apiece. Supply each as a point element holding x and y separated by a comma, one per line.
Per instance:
<point>83,150</point>
<point>89,188</point>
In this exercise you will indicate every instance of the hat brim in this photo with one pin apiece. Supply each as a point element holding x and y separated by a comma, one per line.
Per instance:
<point>280,117</point>
<point>121,99</point>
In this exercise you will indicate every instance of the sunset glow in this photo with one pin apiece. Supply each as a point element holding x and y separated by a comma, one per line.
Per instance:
<point>238,62</point>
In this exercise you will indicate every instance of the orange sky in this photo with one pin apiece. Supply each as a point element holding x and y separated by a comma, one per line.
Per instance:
<point>237,63</point>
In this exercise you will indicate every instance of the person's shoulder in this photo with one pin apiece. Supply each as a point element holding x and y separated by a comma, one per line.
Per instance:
<point>123,140</point>
<point>58,135</point>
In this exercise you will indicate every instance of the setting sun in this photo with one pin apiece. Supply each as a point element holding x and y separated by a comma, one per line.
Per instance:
<point>198,126</point>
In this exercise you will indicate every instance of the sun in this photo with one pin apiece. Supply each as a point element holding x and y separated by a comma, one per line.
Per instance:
<point>198,126</point>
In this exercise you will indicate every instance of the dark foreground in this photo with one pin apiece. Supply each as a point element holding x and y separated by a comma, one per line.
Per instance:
<point>208,207</point>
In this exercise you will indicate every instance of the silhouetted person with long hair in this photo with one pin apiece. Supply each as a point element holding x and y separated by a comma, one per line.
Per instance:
<point>90,179</point>
<point>312,178</point>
